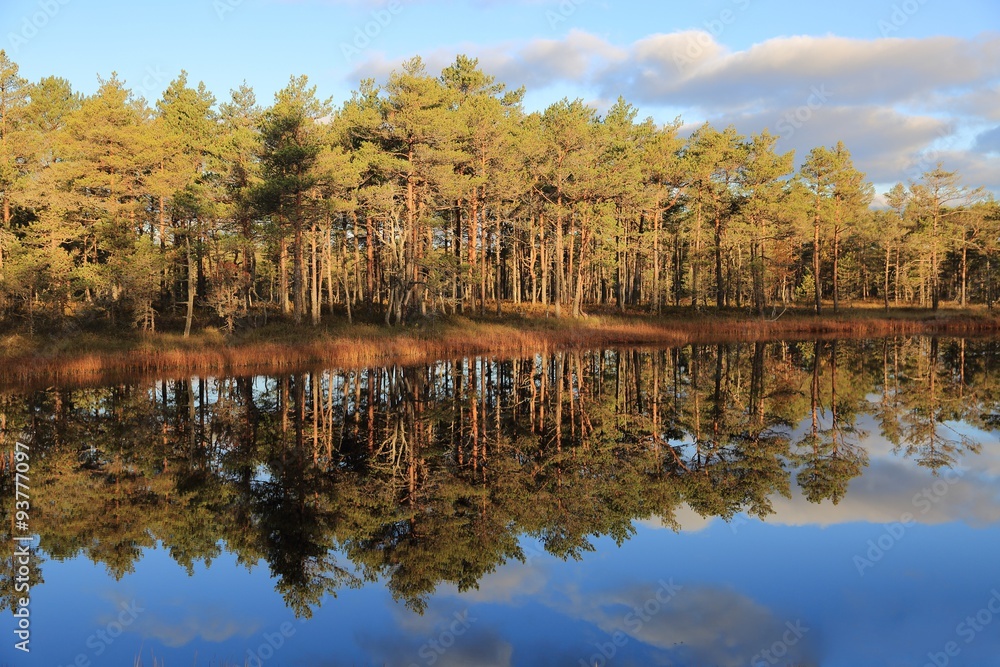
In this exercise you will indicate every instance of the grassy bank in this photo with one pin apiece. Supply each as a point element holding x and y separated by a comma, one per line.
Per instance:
<point>94,356</point>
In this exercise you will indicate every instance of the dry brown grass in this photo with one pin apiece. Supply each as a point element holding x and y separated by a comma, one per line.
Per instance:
<point>282,348</point>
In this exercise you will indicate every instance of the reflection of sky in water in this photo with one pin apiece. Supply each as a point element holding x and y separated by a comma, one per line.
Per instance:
<point>744,587</point>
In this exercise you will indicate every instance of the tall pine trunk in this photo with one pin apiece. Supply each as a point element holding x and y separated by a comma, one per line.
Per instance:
<point>816,277</point>
<point>192,278</point>
<point>836,270</point>
<point>559,261</point>
<point>298,267</point>
<point>720,286</point>
<point>283,276</point>
<point>315,274</point>
<point>885,286</point>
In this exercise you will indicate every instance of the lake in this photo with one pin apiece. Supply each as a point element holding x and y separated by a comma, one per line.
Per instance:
<point>782,503</point>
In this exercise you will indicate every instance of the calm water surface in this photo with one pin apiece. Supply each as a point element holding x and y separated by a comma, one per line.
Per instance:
<point>787,503</point>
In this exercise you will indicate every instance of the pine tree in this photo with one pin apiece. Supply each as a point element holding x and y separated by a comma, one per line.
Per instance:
<point>240,175</point>
<point>569,132</point>
<point>485,117</point>
<point>418,134</point>
<point>763,191</point>
<point>852,195</point>
<point>937,198</point>
<point>818,174</point>
<point>292,137</point>
<point>13,99</point>
<point>716,159</point>
<point>185,140</point>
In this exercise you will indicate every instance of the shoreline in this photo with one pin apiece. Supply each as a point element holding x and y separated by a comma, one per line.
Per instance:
<point>282,347</point>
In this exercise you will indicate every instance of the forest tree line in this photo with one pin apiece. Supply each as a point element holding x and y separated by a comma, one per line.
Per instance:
<point>441,194</point>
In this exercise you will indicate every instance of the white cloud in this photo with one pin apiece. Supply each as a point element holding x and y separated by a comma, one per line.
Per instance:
<point>208,625</point>
<point>890,100</point>
<point>699,625</point>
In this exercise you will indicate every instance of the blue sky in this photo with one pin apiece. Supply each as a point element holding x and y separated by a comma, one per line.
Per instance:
<point>905,83</point>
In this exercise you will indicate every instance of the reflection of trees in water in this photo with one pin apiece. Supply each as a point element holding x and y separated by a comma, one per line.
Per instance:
<point>934,398</point>
<point>419,476</point>
<point>830,456</point>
